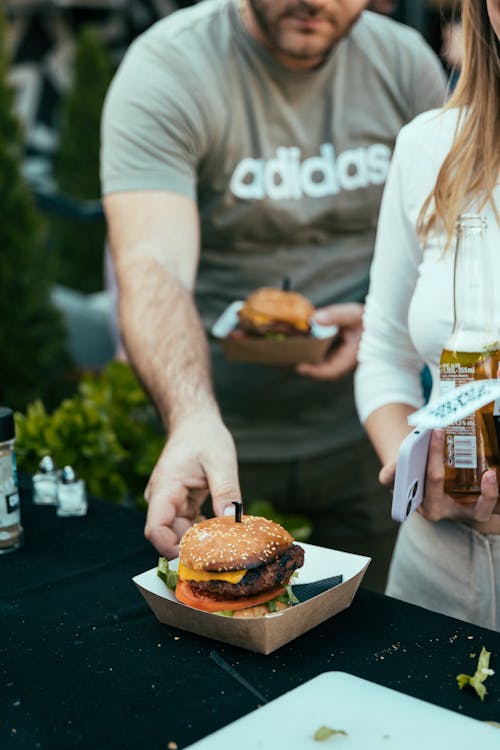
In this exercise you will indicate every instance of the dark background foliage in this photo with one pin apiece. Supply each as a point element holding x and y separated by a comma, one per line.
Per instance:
<point>76,246</point>
<point>33,354</point>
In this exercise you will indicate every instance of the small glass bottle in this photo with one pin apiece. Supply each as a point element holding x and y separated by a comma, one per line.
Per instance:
<point>45,483</point>
<point>71,494</point>
<point>472,352</point>
<point>11,531</point>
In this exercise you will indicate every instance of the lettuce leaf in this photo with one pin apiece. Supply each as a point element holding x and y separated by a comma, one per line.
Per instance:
<point>169,577</point>
<point>324,733</point>
<point>476,681</point>
<point>287,597</point>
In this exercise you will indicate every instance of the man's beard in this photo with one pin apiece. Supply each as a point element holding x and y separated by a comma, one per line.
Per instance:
<point>271,30</point>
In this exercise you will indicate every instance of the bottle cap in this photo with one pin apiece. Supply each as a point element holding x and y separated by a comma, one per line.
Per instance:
<point>7,427</point>
<point>47,465</point>
<point>68,475</point>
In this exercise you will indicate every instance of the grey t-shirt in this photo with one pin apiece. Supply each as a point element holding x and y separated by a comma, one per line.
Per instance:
<point>288,170</point>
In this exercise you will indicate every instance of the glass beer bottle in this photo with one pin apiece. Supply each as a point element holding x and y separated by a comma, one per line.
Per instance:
<point>472,352</point>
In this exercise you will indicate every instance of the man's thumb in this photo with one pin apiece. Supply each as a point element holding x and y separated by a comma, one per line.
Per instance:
<point>225,490</point>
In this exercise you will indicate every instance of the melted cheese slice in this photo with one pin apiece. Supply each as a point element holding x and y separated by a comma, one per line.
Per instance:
<point>263,319</point>
<point>188,574</point>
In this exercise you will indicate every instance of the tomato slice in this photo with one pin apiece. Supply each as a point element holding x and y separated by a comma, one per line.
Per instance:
<point>186,595</point>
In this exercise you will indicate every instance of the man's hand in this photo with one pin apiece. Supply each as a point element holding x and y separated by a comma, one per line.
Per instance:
<point>438,505</point>
<point>199,458</point>
<point>343,357</point>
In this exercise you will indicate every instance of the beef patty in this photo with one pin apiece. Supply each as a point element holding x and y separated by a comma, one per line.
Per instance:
<point>255,581</point>
<point>282,327</point>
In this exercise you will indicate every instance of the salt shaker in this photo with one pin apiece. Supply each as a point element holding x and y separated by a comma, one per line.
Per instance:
<point>45,483</point>
<point>71,494</point>
<point>11,531</point>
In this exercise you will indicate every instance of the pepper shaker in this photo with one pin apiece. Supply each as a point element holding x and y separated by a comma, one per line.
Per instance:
<point>71,494</point>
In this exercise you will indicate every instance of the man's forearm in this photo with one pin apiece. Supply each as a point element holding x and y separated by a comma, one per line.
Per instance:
<point>165,339</point>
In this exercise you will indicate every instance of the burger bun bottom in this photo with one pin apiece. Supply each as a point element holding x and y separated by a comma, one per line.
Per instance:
<point>259,610</point>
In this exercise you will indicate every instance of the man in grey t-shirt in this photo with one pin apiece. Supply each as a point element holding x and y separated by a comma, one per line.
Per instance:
<point>244,142</point>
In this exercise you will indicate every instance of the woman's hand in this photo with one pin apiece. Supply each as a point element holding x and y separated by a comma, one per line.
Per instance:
<point>438,505</point>
<point>387,474</point>
<point>343,357</point>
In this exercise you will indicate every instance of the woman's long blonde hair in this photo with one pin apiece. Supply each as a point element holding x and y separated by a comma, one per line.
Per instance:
<point>471,169</point>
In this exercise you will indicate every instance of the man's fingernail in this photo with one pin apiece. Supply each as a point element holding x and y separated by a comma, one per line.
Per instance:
<point>228,510</point>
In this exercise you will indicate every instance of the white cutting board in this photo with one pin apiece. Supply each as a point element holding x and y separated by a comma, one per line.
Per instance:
<point>373,716</point>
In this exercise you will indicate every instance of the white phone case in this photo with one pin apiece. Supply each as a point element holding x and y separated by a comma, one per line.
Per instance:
<point>409,483</point>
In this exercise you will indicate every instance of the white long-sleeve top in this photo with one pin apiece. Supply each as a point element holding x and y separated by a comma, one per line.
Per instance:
<point>409,307</point>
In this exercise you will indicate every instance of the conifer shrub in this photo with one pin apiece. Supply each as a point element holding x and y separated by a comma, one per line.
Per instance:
<point>33,350</point>
<point>78,250</point>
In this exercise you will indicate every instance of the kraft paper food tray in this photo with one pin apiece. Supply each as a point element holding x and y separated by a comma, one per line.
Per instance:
<point>264,634</point>
<point>289,351</point>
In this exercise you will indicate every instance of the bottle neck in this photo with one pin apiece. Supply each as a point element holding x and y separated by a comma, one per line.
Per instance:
<point>474,328</point>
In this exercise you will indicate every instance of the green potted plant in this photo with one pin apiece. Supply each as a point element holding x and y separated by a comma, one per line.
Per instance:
<point>107,431</point>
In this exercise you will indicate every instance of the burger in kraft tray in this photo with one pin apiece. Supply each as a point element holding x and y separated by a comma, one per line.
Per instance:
<point>273,326</point>
<point>243,580</point>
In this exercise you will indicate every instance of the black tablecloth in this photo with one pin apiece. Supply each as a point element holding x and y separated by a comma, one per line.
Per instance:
<point>85,664</point>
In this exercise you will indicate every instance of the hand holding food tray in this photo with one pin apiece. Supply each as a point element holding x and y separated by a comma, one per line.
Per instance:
<point>273,327</point>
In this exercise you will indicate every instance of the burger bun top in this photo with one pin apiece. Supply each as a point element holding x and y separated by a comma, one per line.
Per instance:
<point>221,544</point>
<point>278,305</point>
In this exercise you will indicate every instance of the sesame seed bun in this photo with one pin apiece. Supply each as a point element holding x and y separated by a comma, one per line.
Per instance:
<point>221,544</point>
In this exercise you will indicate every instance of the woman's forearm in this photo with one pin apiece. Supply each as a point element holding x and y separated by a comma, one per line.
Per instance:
<point>387,427</point>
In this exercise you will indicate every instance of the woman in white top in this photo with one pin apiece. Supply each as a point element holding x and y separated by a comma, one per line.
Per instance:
<point>446,162</point>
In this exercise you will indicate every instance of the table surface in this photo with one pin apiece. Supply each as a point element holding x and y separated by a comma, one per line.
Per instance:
<point>85,664</point>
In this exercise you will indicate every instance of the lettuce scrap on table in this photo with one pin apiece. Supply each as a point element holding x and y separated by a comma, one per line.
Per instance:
<point>476,681</point>
<point>324,733</point>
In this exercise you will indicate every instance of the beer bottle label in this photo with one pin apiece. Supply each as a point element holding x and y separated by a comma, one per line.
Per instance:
<point>460,437</point>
